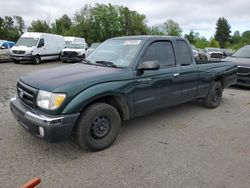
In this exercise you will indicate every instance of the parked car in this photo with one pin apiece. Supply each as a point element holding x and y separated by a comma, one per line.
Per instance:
<point>226,52</point>
<point>71,39</point>
<point>5,47</point>
<point>214,53</point>
<point>198,54</point>
<point>242,59</point>
<point>37,47</point>
<point>92,48</point>
<point>74,52</point>
<point>123,78</point>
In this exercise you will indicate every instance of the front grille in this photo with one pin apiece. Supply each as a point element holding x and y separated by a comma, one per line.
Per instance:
<point>243,70</point>
<point>27,94</point>
<point>18,52</point>
<point>70,54</point>
<point>216,55</point>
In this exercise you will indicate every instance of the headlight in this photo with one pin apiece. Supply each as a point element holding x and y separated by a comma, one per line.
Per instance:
<point>49,101</point>
<point>29,52</point>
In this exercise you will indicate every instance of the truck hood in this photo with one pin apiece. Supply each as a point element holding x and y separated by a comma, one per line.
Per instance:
<point>239,61</point>
<point>23,48</point>
<point>72,50</point>
<point>74,77</point>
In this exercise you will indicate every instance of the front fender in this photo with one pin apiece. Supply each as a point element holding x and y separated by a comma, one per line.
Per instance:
<point>122,90</point>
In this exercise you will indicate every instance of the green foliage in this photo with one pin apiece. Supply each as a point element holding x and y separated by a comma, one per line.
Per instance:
<point>201,42</point>
<point>39,26</point>
<point>214,43</point>
<point>172,28</point>
<point>155,30</point>
<point>192,37</point>
<point>101,22</point>
<point>11,27</point>
<point>62,25</point>
<point>222,34</point>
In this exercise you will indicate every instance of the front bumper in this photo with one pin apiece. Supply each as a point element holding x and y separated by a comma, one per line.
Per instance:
<point>44,126</point>
<point>71,58</point>
<point>243,81</point>
<point>22,57</point>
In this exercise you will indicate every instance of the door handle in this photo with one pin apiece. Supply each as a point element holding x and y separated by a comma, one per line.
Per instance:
<point>176,74</point>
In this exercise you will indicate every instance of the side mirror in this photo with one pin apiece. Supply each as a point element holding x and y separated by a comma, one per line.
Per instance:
<point>149,65</point>
<point>2,47</point>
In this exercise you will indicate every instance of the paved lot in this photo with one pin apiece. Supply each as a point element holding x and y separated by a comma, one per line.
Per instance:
<point>184,146</point>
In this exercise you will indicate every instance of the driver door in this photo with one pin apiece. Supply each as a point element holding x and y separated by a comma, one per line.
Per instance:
<point>156,89</point>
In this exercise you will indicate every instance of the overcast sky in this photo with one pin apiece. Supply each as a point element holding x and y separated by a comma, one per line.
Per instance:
<point>198,15</point>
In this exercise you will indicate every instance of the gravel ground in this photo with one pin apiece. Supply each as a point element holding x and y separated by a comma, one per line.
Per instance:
<point>184,146</point>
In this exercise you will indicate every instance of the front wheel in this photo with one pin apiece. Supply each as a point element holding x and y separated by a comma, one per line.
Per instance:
<point>213,99</point>
<point>98,127</point>
<point>37,60</point>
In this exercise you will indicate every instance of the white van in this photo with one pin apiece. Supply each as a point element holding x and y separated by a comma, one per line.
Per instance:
<point>69,40</point>
<point>36,47</point>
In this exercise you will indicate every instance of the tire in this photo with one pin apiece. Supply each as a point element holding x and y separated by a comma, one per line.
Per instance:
<point>16,61</point>
<point>213,99</point>
<point>37,60</point>
<point>59,57</point>
<point>98,127</point>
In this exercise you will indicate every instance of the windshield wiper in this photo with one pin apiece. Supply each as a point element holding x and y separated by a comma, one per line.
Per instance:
<point>107,63</point>
<point>87,61</point>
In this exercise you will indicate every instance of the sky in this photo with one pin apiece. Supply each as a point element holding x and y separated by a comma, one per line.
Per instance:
<point>201,16</point>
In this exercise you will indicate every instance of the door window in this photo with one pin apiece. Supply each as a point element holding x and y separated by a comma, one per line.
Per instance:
<point>41,43</point>
<point>184,55</point>
<point>161,51</point>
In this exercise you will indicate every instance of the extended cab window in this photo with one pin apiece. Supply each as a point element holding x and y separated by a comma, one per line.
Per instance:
<point>184,55</point>
<point>161,51</point>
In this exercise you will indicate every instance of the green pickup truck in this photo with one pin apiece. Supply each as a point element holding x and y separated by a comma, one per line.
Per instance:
<point>123,78</point>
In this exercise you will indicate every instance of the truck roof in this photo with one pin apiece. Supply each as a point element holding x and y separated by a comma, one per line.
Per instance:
<point>145,37</point>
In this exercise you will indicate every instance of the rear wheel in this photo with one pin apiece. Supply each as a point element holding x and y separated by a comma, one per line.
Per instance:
<point>98,127</point>
<point>213,99</point>
<point>37,60</point>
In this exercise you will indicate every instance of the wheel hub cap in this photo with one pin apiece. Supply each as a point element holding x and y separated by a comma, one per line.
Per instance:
<point>100,127</point>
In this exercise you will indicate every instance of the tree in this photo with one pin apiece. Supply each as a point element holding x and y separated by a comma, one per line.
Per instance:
<point>9,30</point>
<point>214,43</point>
<point>222,34</point>
<point>192,36</point>
<point>172,28</point>
<point>20,25</point>
<point>39,26</point>
<point>201,42</point>
<point>101,22</point>
<point>62,25</point>
<point>155,30</point>
<point>236,37</point>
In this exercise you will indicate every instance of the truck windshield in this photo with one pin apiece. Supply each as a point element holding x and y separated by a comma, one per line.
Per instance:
<point>27,41</point>
<point>118,51</point>
<point>243,52</point>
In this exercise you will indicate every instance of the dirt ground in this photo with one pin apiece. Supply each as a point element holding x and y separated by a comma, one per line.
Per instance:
<point>184,146</point>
